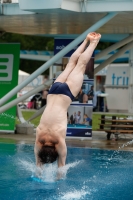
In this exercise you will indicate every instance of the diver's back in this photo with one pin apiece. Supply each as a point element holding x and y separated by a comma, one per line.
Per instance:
<point>55,113</point>
<point>58,100</point>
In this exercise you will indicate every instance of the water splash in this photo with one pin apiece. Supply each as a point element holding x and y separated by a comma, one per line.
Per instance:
<point>116,152</point>
<point>26,165</point>
<point>70,165</point>
<point>62,171</point>
<point>126,144</point>
<point>48,172</point>
<point>115,156</point>
<point>20,146</point>
<point>74,195</point>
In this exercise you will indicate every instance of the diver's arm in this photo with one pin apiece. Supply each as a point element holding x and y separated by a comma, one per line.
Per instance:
<point>62,152</point>
<point>36,149</point>
<point>38,170</point>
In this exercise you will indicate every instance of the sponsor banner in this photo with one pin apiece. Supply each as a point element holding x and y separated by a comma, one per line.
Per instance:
<point>79,121</point>
<point>118,76</point>
<point>60,44</point>
<point>9,64</point>
<point>83,104</point>
<point>117,86</point>
<point>79,132</point>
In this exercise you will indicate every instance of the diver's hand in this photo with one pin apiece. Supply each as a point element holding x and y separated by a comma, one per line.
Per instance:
<point>61,173</point>
<point>38,172</point>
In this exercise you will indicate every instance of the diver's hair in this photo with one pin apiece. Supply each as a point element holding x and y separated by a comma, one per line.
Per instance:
<point>47,154</point>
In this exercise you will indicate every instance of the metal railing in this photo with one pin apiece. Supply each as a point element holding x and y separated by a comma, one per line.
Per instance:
<point>100,0</point>
<point>8,1</point>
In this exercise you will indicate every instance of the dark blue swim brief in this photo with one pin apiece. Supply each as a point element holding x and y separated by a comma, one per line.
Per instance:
<point>61,88</point>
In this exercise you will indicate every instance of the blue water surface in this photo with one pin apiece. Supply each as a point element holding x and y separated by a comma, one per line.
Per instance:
<point>92,174</point>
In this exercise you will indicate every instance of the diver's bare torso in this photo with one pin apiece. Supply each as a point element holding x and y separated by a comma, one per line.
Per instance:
<point>53,123</point>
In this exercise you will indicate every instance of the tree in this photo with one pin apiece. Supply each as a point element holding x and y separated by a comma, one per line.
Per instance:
<point>29,43</point>
<point>35,43</point>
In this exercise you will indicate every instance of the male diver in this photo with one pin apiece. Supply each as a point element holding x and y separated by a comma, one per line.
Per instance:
<point>51,131</point>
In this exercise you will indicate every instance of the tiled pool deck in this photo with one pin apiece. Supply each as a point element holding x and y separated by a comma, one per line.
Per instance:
<point>99,140</point>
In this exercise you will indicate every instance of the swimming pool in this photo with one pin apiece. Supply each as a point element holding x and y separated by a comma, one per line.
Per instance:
<point>91,175</point>
<point>82,126</point>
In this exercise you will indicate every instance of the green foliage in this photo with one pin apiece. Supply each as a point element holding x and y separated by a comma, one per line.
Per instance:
<point>35,43</point>
<point>29,43</point>
<point>30,66</point>
<point>38,42</point>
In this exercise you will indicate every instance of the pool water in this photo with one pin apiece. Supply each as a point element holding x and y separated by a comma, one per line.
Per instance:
<point>78,126</point>
<point>91,174</point>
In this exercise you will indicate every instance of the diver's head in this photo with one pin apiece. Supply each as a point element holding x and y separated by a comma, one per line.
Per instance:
<point>47,154</point>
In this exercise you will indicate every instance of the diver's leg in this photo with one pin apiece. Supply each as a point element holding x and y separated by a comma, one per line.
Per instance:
<point>75,79</point>
<point>72,62</point>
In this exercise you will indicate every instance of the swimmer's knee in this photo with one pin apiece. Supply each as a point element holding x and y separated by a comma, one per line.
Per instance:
<point>74,57</point>
<point>82,59</point>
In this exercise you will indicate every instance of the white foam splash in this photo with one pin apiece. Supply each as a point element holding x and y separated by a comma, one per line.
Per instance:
<point>74,195</point>
<point>29,166</point>
<point>126,144</point>
<point>78,194</point>
<point>72,165</point>
<point>116,152</point>
<point>62,171</point>
<point>48,172</point>
<point>20,146</point>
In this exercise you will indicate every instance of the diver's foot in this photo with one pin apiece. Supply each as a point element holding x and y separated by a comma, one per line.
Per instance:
<point>93,37</point>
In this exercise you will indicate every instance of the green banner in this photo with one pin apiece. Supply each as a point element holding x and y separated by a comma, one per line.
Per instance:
<point>9,66</point>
